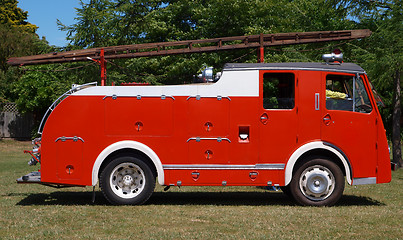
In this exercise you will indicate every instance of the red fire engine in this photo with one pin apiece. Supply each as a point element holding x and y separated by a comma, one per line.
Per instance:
<point>303,127</point>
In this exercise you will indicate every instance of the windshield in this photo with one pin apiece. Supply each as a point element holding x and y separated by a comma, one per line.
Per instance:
<point>347,93</point>
<point>378,98</point>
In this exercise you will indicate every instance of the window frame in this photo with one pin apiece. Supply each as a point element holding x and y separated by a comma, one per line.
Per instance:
<point>354,88</point>
<point>294,94</point>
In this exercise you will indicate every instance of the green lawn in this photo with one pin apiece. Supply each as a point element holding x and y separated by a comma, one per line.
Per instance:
<point>39,212</point>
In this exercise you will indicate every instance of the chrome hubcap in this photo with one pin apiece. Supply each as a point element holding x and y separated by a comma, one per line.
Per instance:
<point>317,183</point>
<point>127,180</point>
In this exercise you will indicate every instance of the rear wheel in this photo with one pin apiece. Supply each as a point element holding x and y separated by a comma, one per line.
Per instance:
<point>318,182</point>
<point>127,180</point>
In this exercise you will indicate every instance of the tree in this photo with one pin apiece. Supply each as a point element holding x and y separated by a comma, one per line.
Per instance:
<point>17,38</point>
<point>382,56</point>
<point>12,15</point>
<point>14,31</point>
<point>94,27</point>
<point>113,22</point>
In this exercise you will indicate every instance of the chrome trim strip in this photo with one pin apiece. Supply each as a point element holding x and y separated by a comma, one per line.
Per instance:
<point>198,139</point>
<point>271,166</point>
<point>75,139</point>
<point>75,88</point>
<point>198,97</point>
<point>317,101</point>
<point>363,181</point>
<point>296,68</point>
<point>354,82</point>
<point>139,97</point>
<point>268,166</point>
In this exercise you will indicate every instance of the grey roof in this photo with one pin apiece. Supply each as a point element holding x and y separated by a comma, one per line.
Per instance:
<point>309,66</point>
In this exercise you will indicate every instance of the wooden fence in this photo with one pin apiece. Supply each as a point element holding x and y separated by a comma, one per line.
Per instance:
<point>14,124</point>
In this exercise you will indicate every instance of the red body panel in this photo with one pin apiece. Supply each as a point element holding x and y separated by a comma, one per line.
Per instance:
<point>171,128</point>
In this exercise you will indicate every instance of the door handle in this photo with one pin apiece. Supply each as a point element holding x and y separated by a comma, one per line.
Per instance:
<point>264,118</point>
<point>253,175</point>
<point>195,175</point>
<point>327,119</point>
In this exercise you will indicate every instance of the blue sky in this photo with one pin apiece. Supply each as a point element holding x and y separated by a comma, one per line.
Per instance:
<point>43,13</point>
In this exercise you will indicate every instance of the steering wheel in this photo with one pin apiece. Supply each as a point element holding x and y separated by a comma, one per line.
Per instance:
<point>364,108</point>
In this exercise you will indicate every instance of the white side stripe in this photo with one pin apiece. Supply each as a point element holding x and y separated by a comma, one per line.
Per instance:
<point>231,84</point>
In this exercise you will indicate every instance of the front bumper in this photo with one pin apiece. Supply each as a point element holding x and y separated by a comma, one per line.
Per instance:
<point>33,177</point>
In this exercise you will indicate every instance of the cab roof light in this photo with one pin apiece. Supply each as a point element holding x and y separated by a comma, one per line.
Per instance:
<point>336,57</point>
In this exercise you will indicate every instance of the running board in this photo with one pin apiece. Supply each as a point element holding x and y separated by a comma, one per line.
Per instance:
<point>33,177</point>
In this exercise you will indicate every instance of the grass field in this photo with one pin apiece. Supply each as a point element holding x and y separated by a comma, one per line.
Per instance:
<point>39,212</point>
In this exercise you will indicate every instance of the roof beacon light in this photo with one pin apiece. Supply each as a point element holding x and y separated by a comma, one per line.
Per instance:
<point>335,57</point>
<point>207,75</point>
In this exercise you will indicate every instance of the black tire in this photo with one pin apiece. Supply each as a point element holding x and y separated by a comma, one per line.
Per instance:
<point>318,182</point>
<point>127,180</point>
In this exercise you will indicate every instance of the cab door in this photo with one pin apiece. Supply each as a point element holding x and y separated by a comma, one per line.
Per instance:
<point>277,117</point>
<point>349,121</point>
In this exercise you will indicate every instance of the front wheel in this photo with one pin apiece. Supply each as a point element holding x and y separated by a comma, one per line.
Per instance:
<point>127,180</point>
<point>318,182</point>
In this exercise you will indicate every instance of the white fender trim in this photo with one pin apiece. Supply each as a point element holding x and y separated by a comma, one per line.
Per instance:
<point>127,144</point>
<point>311,146</point>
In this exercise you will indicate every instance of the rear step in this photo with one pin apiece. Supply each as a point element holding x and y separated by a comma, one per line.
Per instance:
<point>33,177</point>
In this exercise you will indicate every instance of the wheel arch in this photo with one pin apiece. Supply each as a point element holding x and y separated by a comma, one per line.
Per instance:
<point>322,149</point>
<point>127,147</point>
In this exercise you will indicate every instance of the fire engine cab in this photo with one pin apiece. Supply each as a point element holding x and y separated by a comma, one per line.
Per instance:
<point>304,127</point>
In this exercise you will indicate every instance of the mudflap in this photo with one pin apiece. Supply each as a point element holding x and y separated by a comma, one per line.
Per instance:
<point>33,177</point>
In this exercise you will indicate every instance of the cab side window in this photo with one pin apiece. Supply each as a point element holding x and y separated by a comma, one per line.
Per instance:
<point>278,91</point>
<point>346,93</point>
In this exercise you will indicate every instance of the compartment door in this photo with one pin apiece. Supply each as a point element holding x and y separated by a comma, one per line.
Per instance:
<point>278,118</point>
<point>69,158</point>
<point>208,130</point>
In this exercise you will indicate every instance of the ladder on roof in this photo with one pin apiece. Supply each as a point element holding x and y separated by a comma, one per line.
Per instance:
<point>101,55</point>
